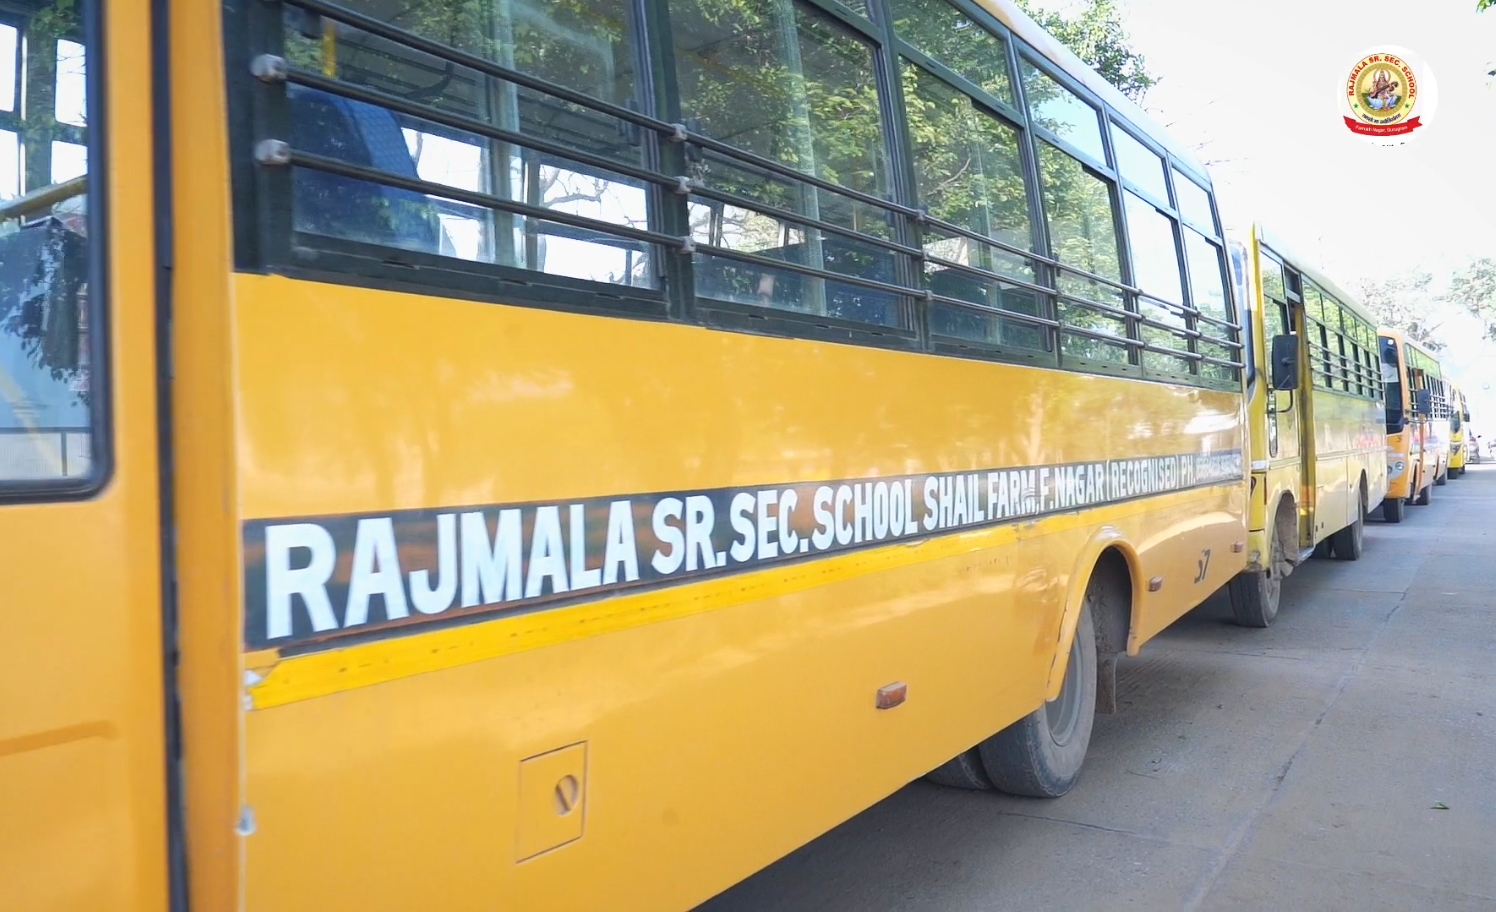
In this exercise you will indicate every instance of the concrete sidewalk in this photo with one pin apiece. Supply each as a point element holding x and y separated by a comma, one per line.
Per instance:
<point>1299,768</point>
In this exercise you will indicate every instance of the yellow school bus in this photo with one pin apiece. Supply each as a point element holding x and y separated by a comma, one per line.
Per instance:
<point>1459,414</point>
<point>549,456</point>
<point>1417,424</point>
<point>1315,417</point>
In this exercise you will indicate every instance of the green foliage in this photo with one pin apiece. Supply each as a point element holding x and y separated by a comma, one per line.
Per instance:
<point>1096,35</point>
<point>1474,289</point>
<point>1406,303</point>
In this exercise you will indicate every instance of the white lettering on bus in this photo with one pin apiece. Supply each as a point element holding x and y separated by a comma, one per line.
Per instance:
<point>376,571</point>
<point>487,569</point>
<point>668,562</point>
<point>620,548</point>
<point>547,555</point>
<point>429,599</point>
<point>483,557</point>
<point>282,581</point>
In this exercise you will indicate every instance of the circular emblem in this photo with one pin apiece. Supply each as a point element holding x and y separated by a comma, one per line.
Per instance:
<point>1387,95</point>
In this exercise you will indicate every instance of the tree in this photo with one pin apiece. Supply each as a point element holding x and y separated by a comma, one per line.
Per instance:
<point>1474,289</point>
<point>1406,303</point>
<point>1096,35</point>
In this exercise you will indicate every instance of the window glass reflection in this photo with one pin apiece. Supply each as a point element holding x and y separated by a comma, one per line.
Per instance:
<point>46,393</point>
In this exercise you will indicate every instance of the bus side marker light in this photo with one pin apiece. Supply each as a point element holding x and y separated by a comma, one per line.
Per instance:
<point>1155,584</point>
<point>891,695</point>
<point>1238,547</point>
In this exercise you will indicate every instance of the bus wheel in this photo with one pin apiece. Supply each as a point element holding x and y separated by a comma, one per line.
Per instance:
<point>1348,541</point>
<point>1393,508</point>
<point>1426,495</point>
<point>1040,755</point>
<point>1442,478</point>
<point>963,771</point>
<point>1324,549</point>
<point>1254,594</point>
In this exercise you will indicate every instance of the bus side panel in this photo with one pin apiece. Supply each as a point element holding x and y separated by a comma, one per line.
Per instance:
<point>712,742</point>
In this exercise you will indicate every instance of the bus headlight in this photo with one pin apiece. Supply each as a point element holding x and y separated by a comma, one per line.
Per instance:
<point>1395,469</point>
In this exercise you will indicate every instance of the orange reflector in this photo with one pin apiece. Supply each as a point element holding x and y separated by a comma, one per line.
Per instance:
<point>891,695</point>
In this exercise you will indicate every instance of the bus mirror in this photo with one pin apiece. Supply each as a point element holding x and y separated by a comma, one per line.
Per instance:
<point>1423,402</point>
<point>1286,362</point>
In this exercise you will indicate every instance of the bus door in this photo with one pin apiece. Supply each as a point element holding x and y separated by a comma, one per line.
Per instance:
<point>1279,300</point>
<point>1418,433</point>
<point>82,737</point>
<point>1300,427</point>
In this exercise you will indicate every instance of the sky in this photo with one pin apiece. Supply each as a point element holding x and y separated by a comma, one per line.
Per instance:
<point>1254,89</point>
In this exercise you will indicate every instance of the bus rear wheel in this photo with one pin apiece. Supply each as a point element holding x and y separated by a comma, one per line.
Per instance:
<point>1040,755</point>
<point>1348,541</point>
<point>1424,496</point>
<point>963,771</point>
<point>1393,509</point>
<point>1255,593</point>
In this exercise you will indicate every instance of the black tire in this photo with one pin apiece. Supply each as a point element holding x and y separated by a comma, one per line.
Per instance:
<point>963,771</point>
<point>1424,496</point>
<point>1255,594</point>
<point>1040,755</point>
<point>1442,478</point>
<point>1325,548</point>
<point>1349,541</point>
<point>1393,509</point>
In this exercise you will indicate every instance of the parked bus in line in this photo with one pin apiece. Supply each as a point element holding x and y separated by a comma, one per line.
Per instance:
<point>1315,423</point>
<point>1417,438</point>
<point>1459,418</point>
<point>568,455</point>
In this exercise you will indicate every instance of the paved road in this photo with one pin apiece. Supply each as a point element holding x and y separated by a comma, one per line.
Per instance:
<point>1291,768</point>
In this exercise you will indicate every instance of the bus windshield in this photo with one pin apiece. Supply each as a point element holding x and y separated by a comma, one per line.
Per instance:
<point>1392,380</point>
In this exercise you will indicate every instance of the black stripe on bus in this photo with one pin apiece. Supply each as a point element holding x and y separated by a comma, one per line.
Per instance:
<point>316,582</point>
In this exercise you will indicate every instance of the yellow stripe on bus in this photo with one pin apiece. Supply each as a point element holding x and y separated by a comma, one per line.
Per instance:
<point>279,680</point>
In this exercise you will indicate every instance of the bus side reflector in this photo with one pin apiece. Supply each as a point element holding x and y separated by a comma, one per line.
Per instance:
<point>1155,584</point>
<point>1238,547</point>
<point>891,695</point>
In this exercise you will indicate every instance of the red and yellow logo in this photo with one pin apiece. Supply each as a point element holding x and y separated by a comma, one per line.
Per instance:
<point>1385,97</point>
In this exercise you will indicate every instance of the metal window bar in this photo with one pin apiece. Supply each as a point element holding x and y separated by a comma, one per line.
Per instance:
<point>272,69</point>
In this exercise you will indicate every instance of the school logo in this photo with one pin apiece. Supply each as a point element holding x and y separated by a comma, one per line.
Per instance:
<point>1388,96</point>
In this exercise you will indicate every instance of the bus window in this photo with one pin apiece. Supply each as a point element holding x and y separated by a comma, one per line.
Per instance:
<point>1241,287</point>
<point>1062,112</point>
<point>1392,384</point>
<point>947,34</point>
<point>47,403</point>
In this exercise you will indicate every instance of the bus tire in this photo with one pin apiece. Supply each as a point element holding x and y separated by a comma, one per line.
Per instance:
<point>1424,496</point>
<point>1393,509</point>
<point>1349,541</point>
<point>963,771</point>
<point>1040,755</point>
<point>1442,478</point>
<point>1325,548</point>
<point>1254,594</point>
